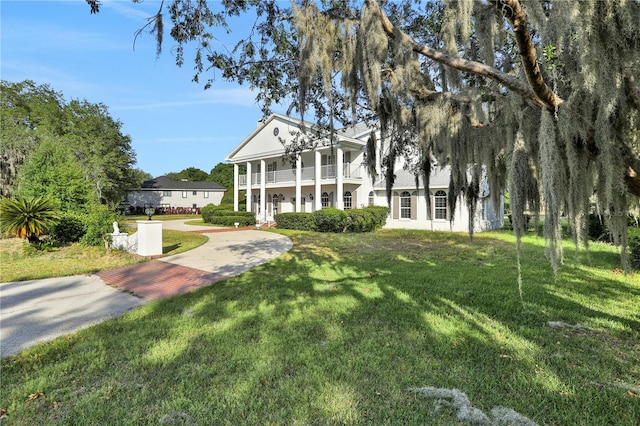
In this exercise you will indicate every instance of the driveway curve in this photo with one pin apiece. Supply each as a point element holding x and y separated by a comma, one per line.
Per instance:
<point>40,310</point>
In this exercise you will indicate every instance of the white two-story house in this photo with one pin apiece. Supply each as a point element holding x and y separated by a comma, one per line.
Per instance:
<point>172,196</point>
<point>336,176</point>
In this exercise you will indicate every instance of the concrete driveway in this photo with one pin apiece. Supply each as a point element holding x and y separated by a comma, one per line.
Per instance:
<point>41,310</point>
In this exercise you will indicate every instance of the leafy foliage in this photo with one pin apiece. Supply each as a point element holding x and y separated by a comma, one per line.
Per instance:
<point>518,91</point>
<point>98,223</point>
<point>69,229</point>
<point>192,174</point>
<point>73,152</point>
<point>27,217</point>
<point>367,219</point>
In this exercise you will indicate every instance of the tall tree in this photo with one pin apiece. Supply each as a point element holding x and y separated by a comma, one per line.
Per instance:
<point>52,171</point>
<point>222,174</point>
<point>98,144</point>
<point>192,174</point>
<point>38,125</point>
<point>543,92</point>
<point>28,113</point>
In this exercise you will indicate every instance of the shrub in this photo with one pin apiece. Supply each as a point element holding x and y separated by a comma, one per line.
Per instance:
<point>231,220</point>
<point>634,247</point>
<point>222,215</point>
<point>69,229</point>
<point>297,221</point>
<point>380,215</point>
<point>330,220</point>
<point>28,217</point>
<point>207,212</point>
<point>98,222</point>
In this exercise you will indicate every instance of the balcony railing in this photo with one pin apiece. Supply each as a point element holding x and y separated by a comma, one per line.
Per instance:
<point>308,173</point>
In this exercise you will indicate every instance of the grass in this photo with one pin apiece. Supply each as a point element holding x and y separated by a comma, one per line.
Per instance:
<point>18,263</point>
<point>341,327</point>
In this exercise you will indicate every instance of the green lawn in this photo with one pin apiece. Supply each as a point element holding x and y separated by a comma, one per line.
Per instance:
<point>18,264</point>
<point>342,327</point>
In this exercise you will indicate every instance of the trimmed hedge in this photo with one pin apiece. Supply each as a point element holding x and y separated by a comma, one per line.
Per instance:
<point>333,220</point>
<point>330,220</point>
<point>298,221</point>
<point>222,215</point>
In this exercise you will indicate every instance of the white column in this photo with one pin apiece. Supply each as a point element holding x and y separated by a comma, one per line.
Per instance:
<point>263,190</point>
<point>298,182</point>
<point>249,195</point>
<point>317,197</point>
<point>339,178</point>
<point>236,190</point>
<point>149,237</point>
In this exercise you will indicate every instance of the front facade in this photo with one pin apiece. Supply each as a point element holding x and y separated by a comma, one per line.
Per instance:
<point>336,176</point>
<point>170,195</point>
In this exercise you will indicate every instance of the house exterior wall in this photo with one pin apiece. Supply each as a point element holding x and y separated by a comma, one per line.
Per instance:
<point>322,177</point>
<point>174,198</point>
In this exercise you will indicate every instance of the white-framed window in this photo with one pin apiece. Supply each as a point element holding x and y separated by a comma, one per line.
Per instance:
<point>405,205</point>
<point>205,194</point>
<point>371,198</point>
<point>325,200</point>
<point>347,199</point>
<point>166,193</point>
<point>271,172</point>
<point>275,200</point>
<point>440,205</point>
<point>184,194</point>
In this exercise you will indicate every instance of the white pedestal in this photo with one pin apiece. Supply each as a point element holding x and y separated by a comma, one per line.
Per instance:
<point>120,241</point>
<point>149,237</point>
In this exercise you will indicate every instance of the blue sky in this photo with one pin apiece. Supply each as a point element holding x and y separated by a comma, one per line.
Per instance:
<point>173,122</point>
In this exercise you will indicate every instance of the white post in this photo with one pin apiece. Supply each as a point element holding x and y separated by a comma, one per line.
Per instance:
<point>236,190</point>
<point>149,237</point>
<point>298,182</point>
<point>340,178</point>
<point>263,190</point>
<point>317,197</point>
<point>249,182</point>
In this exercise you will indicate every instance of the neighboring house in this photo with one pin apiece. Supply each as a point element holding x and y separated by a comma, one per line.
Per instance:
<point>337,177</point>
<point>170,195</point>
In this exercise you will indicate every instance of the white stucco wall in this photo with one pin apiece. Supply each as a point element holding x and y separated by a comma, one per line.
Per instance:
<point>176,199</point>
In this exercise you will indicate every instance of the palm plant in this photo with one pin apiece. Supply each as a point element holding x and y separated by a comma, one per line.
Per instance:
<point>27,217</point>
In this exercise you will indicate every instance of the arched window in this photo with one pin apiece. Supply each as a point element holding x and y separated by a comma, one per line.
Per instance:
<point>440,204</point>
<point>325,200</point>
<point>371,198</point>
<point>405,205</point>
<point>347,200</point>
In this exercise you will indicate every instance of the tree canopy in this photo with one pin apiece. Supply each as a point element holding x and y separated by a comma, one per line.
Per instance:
<point>72,151</point>
<point>542,95</point>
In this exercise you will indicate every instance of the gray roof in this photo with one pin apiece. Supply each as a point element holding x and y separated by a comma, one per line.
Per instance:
<point>406,180</point>
<point>164,183</point>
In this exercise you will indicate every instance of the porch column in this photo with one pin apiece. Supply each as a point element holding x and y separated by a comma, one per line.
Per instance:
<point>339,178</point>
<point>236,189</point>
<point>249,194</point>
<point>298,182</point>
<point>263,190</point>
<point>317,197</point>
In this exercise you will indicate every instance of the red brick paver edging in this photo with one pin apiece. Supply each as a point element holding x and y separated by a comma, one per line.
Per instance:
<point>156,279</point>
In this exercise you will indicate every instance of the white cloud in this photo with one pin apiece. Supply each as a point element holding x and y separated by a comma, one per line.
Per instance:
<point>240,97</point>
<point>135,11</point>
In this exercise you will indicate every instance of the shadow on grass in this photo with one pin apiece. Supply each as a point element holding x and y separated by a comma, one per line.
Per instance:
<point>338,328</point>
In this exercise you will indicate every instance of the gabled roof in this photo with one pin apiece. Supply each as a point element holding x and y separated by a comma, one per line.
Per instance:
<point>266,139</point>
<point>164,183</point>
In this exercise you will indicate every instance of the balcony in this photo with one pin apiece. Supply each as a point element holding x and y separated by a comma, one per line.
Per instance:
<point>308,174</point>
